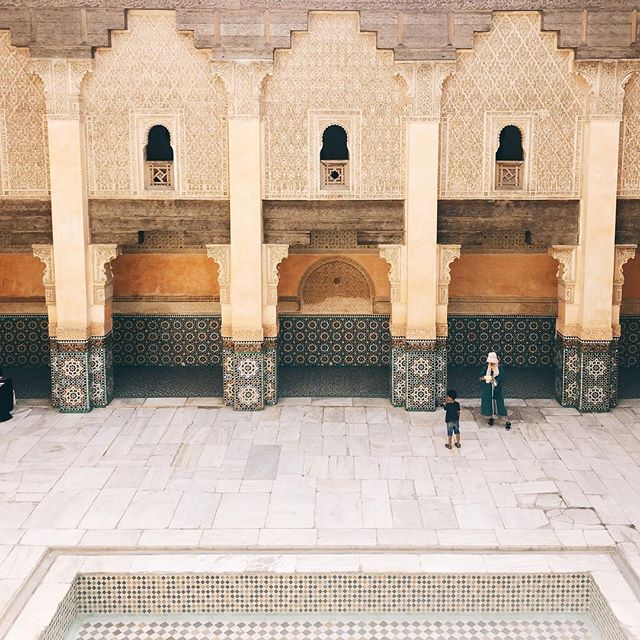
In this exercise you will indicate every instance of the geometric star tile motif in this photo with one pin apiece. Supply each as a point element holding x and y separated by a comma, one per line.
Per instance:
<point>547,629</point>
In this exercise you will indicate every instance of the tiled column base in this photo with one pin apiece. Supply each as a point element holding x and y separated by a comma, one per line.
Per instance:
<point>101,370</point>
<point>418,373</point>
<point>249,375</point>
<point>81,373</point>
<point>586,373</point>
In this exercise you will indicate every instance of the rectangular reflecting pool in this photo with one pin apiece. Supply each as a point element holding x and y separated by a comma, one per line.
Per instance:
<point>334,606</point>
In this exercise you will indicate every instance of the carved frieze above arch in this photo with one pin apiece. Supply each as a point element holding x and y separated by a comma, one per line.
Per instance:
<point>44,253</point>
<point>101,257</point>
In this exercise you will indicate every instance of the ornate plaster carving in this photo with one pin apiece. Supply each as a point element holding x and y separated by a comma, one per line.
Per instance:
<point>221,254</point>
<point>606,80</point>
<point>566,255</point>
<point>306,77</point>
<point>44,253</point>
<point>537,78</point>
<point>424,81</point>
<point>392,254</point>
<point>624,253</point>
<point>243,81</point>
<point>447,253</point>
<point>154,71</point>
<point>62,79</point>
<point>629,156</point>
<point>24,157</point>
<point>102,276</point>
<point>274,254</point>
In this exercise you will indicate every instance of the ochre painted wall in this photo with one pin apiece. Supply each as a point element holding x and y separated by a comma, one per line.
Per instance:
<point>295,266</point>
<point>631,287</point>
<point>151,274</point>
<point>504,275</point>
<point>21,276</point>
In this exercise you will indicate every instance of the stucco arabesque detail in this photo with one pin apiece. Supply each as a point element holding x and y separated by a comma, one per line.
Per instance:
<point>424,81</point>
<point>44,253</point>
<point>274,254</point>
<point>624,253</point>
<point>566,255</point>
<point>62,79</point>
<point>243,81</point>
<point>447,253</point>
<point>392,254</point>
<point>101,257</point>
<point>606,80</point>
<point>221,255</point>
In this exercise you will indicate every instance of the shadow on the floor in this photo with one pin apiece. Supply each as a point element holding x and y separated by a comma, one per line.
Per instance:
<point>30,382</point>
<point>519,382</point>
<point>167,382</point>
<point>333,382</point>
<point>629,382</point>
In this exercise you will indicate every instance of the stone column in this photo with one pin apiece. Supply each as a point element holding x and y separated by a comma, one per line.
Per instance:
<point>71,363</point>
<point>586,348</point>
<point>44,253</point>
<point>101,323</point>
<point>245,361</point>
<point>272,256</point>
<point>421,358</point>
<point>623,253</point>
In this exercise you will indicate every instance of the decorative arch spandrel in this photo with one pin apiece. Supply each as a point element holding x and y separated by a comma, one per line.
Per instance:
<point>334,68</point>
<point>514,69</point>
<point>151,68</point>
<point>24,154</point>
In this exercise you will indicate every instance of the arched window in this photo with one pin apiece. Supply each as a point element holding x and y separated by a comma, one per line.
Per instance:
<point>334,158</point>
<point>510,159</point>
<point>158,155</point>
<point>510,144</point>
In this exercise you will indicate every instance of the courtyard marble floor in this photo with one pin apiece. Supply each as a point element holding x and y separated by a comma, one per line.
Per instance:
<point>314,475</point>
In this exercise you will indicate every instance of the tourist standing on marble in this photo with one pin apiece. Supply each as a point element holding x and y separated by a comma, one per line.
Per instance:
<point>452,418</point>
<point>492,403</point>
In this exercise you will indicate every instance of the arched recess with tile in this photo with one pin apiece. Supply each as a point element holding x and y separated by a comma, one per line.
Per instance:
<point>333,313</point>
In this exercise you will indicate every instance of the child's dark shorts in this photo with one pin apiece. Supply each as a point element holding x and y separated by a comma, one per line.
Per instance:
<point>453,427</point>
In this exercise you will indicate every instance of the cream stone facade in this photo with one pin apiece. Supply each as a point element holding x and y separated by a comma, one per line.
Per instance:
<point>418,229</point>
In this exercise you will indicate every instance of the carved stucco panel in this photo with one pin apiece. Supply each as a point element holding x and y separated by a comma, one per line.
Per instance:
<point>24,156</point>
<point>514,68</point>
<point>567,257</point>
<point>221,255</point>
<point>447,253</point>
<point>624,253</point>
<point>102,276</point>
<point>151,66</point>
<point>44,253</point>
<point>629,155</point>
<point>334,67</point>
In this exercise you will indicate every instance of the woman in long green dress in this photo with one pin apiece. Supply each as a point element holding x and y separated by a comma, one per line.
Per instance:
<point>492,398</point>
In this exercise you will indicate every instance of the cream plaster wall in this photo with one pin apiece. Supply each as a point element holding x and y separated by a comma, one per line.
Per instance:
<point>168,275</point>
<point>24,166</point>
<point>333,68</point>
<point>153,71</point>
<point>513,69</point>
<point>504,276</point>
<point>21,276</point>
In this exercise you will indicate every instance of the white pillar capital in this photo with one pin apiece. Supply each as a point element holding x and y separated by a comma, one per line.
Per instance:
<point>62,78</point>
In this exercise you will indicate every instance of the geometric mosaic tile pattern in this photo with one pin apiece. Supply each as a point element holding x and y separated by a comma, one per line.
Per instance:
<point>331,592</point>
<point>557,629</point>
<point>362,340</point>
<point>521,341</point>
<point>586,373</point>
<point>419,374</point>
<point>70,375</point>
<point>629,342</point>
<point>24,340</point>
<point>167,340</point>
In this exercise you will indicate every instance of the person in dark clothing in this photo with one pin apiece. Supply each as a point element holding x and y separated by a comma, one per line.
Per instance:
<point>492,403</point>
<point>452,418</point>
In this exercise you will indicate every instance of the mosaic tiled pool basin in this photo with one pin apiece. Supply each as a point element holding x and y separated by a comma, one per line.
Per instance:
<point>525,606</point>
